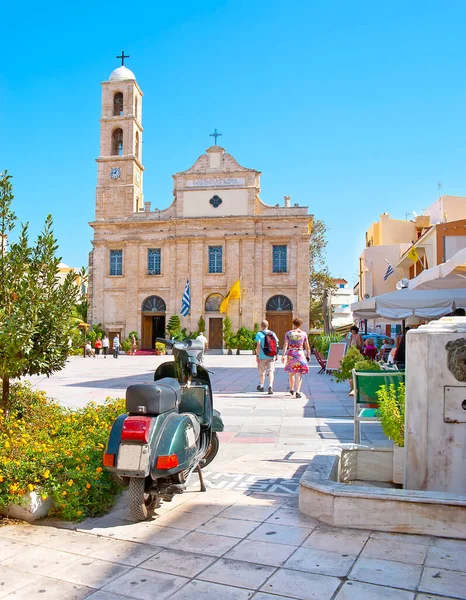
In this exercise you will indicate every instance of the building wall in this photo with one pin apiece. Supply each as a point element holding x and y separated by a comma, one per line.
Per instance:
<point>390,231</point>
<point>447,208</point>
<point>373,267</point>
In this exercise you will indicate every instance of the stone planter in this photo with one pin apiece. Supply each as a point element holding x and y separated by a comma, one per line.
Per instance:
<point>398,464</point>
<point>33,508</point>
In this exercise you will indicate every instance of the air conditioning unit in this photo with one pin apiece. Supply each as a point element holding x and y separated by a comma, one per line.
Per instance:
<point>367,296</point>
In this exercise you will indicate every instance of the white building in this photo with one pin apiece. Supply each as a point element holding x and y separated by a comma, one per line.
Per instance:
<point>341,301</point>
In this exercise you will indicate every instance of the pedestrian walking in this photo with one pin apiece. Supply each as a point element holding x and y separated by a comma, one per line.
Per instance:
<point>266,355</point>
<point>297,353</point>
<point>105,345</point>
<point>98,345</point>
<point>116,346</point>
<point>205,345</point>
<point>134,344</point>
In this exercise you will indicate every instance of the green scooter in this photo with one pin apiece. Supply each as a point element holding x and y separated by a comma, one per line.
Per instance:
<point>169,431</point>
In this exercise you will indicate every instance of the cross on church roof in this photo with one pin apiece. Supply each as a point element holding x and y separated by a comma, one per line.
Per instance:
<point>123,56</point>
<point>215,135</point>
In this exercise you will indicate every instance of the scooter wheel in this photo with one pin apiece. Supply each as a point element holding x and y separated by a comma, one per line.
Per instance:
<point>141,502</point>
<point>212,450</point>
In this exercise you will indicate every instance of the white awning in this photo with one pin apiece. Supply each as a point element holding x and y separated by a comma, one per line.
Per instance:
<point>402,304</point>
<point>450,274</point>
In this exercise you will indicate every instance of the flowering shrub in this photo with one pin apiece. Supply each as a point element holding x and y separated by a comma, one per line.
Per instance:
<point>56,452</point>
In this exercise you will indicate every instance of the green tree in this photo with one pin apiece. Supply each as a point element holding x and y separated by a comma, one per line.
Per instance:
<point>35,308</point>
<point>321,282</point>
<point>174,328</point>
<point>201,324</point>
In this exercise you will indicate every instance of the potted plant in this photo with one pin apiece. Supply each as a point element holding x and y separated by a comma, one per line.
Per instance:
<point>347,364</point>
<point>322,342</point>
<point>227,334</point>
<point>126,346</point>
<point>159,348</point>
<point>392,418</point>
<point>245,340</point>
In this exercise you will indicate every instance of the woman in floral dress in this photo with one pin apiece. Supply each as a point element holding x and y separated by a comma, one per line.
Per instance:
<point>297,352</point>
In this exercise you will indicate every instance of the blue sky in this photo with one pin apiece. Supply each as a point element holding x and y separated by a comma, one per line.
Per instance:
<point>352,108</point>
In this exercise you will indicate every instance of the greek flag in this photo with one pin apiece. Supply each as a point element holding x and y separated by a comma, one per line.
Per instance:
<point>390,271</point>
<point>186,301</point>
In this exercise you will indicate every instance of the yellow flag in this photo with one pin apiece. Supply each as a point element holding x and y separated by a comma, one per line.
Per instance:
<point>413,255</point>
<point>234,293</point>
<point>309,226</point>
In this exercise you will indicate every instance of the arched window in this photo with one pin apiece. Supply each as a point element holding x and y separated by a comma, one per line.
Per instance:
<point>136,107</point>
<point>212,302</point>
<point>154,304</point>
<point>279,303</point>
<point>136,145</point>
<point>117,104</point>
<point>117,142</point>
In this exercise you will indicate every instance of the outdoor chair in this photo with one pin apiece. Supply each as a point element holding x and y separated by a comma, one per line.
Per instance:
<point>321,360</point>
<point>366,384</point>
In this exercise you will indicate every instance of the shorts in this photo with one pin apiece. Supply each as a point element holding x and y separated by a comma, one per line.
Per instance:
<point>266,365</point>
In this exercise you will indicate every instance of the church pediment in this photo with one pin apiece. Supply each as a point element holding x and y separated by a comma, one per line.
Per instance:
<point>215,159</point>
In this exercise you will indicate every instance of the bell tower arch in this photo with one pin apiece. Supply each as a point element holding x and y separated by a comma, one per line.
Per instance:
<point>120,169</point>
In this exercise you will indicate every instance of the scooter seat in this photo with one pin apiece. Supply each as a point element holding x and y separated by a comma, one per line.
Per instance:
<point>153,399</point>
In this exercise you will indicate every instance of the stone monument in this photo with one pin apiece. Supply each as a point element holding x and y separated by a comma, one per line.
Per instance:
<point>435,426</point>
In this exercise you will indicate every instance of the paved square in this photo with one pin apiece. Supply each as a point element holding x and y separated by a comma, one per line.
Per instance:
<point>245,537</point>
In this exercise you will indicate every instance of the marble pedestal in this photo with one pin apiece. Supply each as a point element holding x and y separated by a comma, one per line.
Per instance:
<point>435,426</point>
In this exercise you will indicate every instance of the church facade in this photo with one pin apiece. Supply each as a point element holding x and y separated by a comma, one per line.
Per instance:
<point>216,231</point>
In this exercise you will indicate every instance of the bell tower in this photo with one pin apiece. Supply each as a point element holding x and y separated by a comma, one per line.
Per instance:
<point>120,169</point>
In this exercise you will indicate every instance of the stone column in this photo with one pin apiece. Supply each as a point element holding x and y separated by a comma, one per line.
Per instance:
<point>435,423</point>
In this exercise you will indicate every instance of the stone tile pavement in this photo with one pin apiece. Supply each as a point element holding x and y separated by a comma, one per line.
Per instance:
<point>244,538</point>
<point>225,544</point>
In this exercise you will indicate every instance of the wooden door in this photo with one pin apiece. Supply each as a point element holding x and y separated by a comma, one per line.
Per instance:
<point>146,333</point>
<point>280,323</point>
<point>215,333</point>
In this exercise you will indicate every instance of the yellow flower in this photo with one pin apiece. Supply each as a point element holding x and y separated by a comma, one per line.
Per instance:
<point>79,513</point>
<point>99,469</point>
<point>46,474</point>
<point>78,468</point>
<point>31,488</point>
<point>44,497</point>
<point>70,482</point>
<point>88,485</point>
<point>64,493</point>
<point>1,478</point>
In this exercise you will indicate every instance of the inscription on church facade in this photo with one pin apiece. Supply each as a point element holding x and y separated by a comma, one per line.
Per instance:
<point>219,181</point>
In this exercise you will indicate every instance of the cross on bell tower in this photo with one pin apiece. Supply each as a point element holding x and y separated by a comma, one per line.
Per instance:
<point>122,56</point>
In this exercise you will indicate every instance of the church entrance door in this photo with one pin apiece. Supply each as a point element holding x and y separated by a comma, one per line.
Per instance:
<point>153,326</point>
<point>280,323</point>
<point>215,333</point>
<point>153,321</point>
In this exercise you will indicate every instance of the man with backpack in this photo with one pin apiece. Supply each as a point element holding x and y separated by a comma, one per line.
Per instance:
<point>266,355</point>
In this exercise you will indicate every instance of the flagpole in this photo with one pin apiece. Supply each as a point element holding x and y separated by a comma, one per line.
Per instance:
<point>241,296</point>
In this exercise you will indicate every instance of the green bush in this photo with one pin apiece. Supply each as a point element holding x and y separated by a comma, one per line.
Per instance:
<point>245,339</point>
<point>56,452</point>
<point>391,411</point>
<point>174,328</point>
<point>228,336</point>
<point>322,342</point>
<point>201,324</point>
<point>366,364</point>
<point>126,346</point>
<point>347,364</point>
